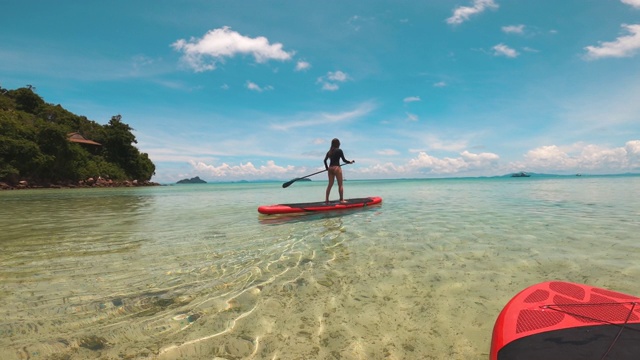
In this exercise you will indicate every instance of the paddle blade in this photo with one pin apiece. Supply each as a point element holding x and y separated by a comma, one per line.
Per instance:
<point>288,183</point>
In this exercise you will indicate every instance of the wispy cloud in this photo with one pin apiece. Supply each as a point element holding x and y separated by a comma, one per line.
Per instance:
<point>87,66</point>
<point>357,21</point>
<point>634,3</point>
<point>504,50</point>
<point>411,99</point>
<point>170,145</point>
<point>513,29</point>
<point>255,87</point>
<point>449,145</point>
<point>463,13</point>
<point>387,152</point>
<point>330,81</point>
<point>624,46</point>
<point>437,143</point>
<point>202,54</point>
<point>327,118</point>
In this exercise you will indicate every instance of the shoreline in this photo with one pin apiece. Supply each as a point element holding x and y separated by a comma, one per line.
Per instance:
<point>82,184</point>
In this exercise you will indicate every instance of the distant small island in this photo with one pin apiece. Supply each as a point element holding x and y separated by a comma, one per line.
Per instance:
<point>194,180</point>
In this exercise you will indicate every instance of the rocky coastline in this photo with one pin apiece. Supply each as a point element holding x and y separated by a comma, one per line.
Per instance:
<point>88,183</point>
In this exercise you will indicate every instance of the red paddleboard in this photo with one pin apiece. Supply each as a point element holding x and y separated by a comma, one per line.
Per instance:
<point>566,321</point>
<point>318,206</point>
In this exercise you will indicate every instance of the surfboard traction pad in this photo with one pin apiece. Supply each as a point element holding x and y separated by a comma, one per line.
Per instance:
<point>331,204</point>
<point>562,320</point>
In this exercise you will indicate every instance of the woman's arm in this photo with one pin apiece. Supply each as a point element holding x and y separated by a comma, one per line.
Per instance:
<point>345,160</point>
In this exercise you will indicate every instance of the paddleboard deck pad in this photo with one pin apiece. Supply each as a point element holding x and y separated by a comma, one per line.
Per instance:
<point>319,206</point>
<point>562,320</point>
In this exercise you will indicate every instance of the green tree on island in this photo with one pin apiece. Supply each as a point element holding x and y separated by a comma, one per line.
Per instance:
<point>36,144</point>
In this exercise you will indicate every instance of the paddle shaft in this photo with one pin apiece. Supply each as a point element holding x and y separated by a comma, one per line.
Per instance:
<point>288,183</point>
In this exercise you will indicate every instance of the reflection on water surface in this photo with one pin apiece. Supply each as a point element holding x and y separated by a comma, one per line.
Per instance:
<point>194,272</point>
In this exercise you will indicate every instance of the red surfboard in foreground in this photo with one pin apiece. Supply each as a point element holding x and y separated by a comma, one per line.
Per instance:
<point>318,206</point>
<point>566,321</point>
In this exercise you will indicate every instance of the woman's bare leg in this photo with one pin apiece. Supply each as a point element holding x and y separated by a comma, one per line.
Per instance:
<point>340,187</point>
<point>331,177</point>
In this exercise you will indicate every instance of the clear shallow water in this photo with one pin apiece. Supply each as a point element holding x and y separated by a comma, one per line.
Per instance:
<point>193,272</point>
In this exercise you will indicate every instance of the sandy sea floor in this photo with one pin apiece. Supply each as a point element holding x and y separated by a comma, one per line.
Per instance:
<point>194,273</point>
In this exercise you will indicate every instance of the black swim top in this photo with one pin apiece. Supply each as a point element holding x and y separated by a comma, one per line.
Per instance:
<point>335,157</point>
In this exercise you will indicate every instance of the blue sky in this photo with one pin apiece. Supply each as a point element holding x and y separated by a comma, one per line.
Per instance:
<point>232,90</point>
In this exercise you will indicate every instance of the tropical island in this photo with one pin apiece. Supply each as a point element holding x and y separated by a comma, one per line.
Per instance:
<point>46,146</point>
<point>193,180</point>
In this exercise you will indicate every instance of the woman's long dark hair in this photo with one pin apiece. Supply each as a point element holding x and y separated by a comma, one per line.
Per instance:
<point>335,144</point>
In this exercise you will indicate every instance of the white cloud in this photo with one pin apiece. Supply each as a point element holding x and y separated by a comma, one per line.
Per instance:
<point>479,160</point>
<point>634,3</point>
<point>412,117</point>
<point>584,157</point>
<point>330,81</point>
<point>255,87</point>
<point>218,44</point>
<point>462,13</point>
<point>337,76</point>
<point>440,84</point>
<point>427,163</point>
<point>467,161</point>
<point>242,171</point>
<point>411,99</point>
<point>302,65</point>
<point>633,149</point>
<point>624,46</point>
<point>330,86</point>
<point>504,50</point>
<point>575,158</point>
<point>513,29</point>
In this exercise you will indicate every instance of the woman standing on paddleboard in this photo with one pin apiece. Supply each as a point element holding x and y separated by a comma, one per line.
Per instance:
<point>333,169</point>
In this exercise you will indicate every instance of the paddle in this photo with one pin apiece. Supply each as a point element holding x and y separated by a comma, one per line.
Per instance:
<point>288,183</point>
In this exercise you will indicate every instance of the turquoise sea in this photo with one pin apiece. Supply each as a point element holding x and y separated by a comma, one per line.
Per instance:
<point>194,272</point>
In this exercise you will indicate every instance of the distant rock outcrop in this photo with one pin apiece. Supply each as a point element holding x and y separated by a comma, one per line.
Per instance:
<point>194,180</point>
